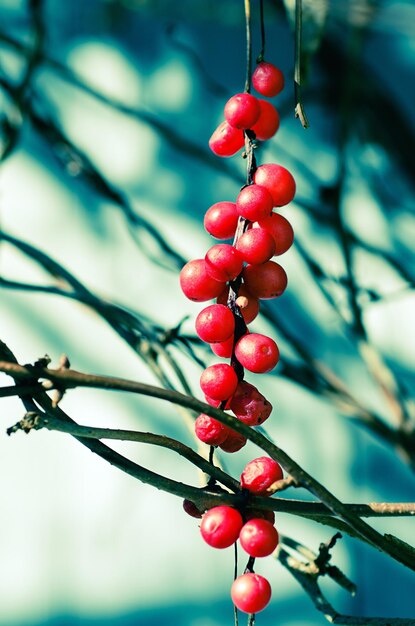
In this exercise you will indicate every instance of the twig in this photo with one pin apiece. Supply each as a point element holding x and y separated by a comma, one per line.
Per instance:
<point>299,109</point>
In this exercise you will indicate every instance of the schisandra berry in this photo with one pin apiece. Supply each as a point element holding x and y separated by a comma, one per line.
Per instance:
<point>191,509</point>
<point>256,246</point>
<point>251,592</point>
<point>242,110</point>
<point>280,229</point>
<point>279,182</point>
<point>226,140</point>
<point>196,283</point>
<point>221,220</point>
<point>254,202</point>
<point>265,281</point>
<point>258,537</point>
<point>257,353</point>
<point>223,348</point>
<point>215,323</point>
<point>248,304</point>
<point>210,431</point>
<point>249,405</point>
<point>233,442</point>
<point>220,526</point>
<point>260,474</point>
<point>219,381</point>
<point>268,122</point>
<point>223,262</point>
<point>267,79</point>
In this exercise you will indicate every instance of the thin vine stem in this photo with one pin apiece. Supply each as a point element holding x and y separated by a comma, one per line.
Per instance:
<point>247,4</point>
<point>299,109</point>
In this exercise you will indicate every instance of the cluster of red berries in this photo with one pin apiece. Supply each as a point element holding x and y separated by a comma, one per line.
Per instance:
<point>239,275</point>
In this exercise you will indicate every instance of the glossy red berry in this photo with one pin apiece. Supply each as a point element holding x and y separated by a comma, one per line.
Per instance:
<point>251,592</point>
<point>196,283</point>
<point>256,246</point>
<point>215,323</point>
<point>279,182</point>
<point>220,526</point>
<point>257,353</point>
<point>249,405</point>
<point>248,304</point>
<point>265,281</point>
<point>223,348</point>
<point>280,229</point>
<point>233,442</point>
<point>258,537</point>
<point>268,122</point>
<point>219,381</point>
<point>242,110</point>
<point>254,202</point>
<point>210,431</point>
<point>267,79</point>
<point>260,474</point>
<point>221,220</point>
<point>223,262</point>
<point>226,140</point>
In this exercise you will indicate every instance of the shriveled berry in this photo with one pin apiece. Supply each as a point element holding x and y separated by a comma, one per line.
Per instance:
<point>251,592</point>
<point>268,122</point>
<point>191,509</point>
<point>257,353</point>
<point>254,202</point>
<point>196,283</point>
<point>220,526</point>
<point>215,323</point>
<point>223,348</point>
<point>256,246</point>
<point>233,442</point>
<point>226,140</point>
<point>223,262</point>
<point>219,381</point>
<point>260,474</point>
<point>210,431</point>
<point>258,537</point>
<point>267,79</point>
<point>248,304</point>
<point>221,220</point>
<point>242,110</point>
<point>279,182</point>
<point>265,281</point>
<point>249,405</point>
<point>280,229</point>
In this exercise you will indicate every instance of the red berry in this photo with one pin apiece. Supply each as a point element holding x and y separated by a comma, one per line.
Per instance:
<point>254,202</point>
<point>248,304</point>
<point>251,592</point>
<point>233,442</point>
<point>223,262</point>
<point>221,220</point>
<point>223,348</point>
<point>260,474</point>
<point>256,246</point>
<point>268,122</point>
<point>210,431</point>
<point>242,110</point>
<point>265,281</point>
<point>280,229</point>
<point>249,405</point>
<point>226,140</point>
<point>220,526</point>
<point>191,509</point>
<point>215,323</point>
<point>219,381</point>
<point>267,79</point>
<point>279,182</point>
<point>196,283</point>
<point>257,353</point>
<point>258,537</point>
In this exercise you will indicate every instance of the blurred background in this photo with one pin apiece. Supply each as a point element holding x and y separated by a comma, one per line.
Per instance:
<point>106,110</point>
